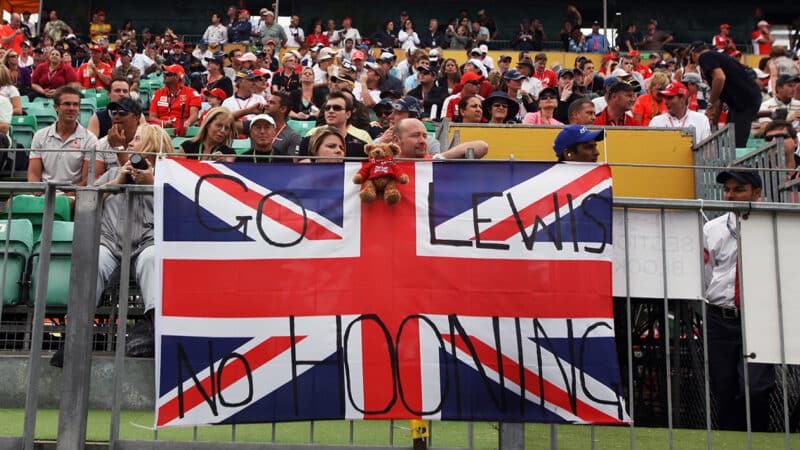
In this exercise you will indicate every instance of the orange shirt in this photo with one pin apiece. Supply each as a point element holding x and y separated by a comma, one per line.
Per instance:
<point>6,31</point>
<point>647,107</point>
<point>166,106</point>
<point>85,76</point>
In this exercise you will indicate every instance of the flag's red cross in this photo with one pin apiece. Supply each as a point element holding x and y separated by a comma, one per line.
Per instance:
<point>389,279</point>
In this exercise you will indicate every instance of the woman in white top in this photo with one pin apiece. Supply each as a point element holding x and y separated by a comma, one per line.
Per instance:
<point>25,58</point>
<point>408,38</point>
<point>9,91</point>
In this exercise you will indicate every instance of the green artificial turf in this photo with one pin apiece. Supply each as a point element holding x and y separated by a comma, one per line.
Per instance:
<point>444,434</point>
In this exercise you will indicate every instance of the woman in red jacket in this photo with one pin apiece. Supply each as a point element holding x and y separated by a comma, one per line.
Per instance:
<point>52,74</point>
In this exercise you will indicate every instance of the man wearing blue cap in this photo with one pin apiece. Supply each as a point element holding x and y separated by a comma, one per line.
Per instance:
<point>725,362</point>
<point>575,143</point>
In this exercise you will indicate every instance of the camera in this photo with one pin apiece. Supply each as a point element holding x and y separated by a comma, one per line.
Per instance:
<point>779,114</point>
<point>137,162</point>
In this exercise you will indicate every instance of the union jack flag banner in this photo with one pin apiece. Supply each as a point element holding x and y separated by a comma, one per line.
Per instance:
<point>485,294</point>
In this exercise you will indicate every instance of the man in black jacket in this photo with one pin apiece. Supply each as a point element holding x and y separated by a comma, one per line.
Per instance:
<point>432,37</point>
<point>428,93</point>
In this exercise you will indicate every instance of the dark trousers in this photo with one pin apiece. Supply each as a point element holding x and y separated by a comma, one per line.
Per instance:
<point>742,120</point>
<point>726,376</point>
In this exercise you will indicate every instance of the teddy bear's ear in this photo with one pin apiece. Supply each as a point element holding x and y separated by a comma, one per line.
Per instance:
<point>395,148</point>
<point>368,148</point>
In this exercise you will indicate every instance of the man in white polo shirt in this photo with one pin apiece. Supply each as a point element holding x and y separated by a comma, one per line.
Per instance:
<point>71,165</point>
<point>678,114</point>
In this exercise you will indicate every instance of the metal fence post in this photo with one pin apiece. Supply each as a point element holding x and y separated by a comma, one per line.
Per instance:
<point>74,405</point>
<point>512,436</point>
<point>35,362</point>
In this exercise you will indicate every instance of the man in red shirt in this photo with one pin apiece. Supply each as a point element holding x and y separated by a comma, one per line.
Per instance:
<point>542,73</point>
<point>175,105</point>
<point>12,35</point>
<point>762,38</point>
<point>95,74</point>
<point>621,98</point>
<point>723,41</point>
<point>638,66</point>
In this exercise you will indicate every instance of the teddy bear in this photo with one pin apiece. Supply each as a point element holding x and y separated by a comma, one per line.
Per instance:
<point>378,175</point>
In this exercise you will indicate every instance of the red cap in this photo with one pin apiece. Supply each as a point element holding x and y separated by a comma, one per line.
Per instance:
<point>634,53</point>
<point>244,11</point>
<point>96,48</point>
<point>262,73</point>
<point>608,57</point>
<point>725,25</point>
<point>178,44</point>
<point>177,69</point>
<point>675,88</point>
<point>763,23</point>
<point>470,76</point>
<point>358,54</point>
<point>100,12</point>
<point>270,42</point>
<point>216,92</point>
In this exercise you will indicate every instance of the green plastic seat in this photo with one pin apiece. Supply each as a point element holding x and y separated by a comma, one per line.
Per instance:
<point>20,244</point>
<point>88,92</point>
<point>430,127</point>
<point>192,131</point>
<point>241,145</point>
<point>24,127</point>
<point>101,99</point>
<point>88,108</point>
<point>177,141</point>
<point>45,115</point>
<point>31,207</point>
<point>42,101</point>
<point>301,126</point>
<point>24,101</point>
<point>60,265</point>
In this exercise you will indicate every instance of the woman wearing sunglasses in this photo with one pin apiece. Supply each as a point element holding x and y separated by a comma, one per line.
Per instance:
<point>548,101</point>
<point>500,108</point>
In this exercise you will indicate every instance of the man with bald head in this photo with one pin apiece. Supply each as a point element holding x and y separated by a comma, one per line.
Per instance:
<point>12,35</point>
<point>412,138</point>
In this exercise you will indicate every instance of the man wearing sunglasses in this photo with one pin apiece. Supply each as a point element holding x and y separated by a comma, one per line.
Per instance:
<point>125,115</point>
<point>470,85</point>
<point>781,129</point>
<point>175,105</point>
<point>428,93</point>
<point>338,110</point>
<point>245,104</point>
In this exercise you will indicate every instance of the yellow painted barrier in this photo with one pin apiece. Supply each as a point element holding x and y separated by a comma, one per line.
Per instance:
<point>621,146</point>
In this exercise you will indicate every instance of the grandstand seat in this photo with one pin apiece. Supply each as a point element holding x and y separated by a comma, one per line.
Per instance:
<point>88,107</point>
<point>20,244</point>
<point>101,99</point>
<point>24,101</point>
<point>430,127</point>
<point>24,127</point>
<point>241,145</point>
<point>301,126</point>
<point>45,116</point>
<point>192,131</point>
<point>42,102</point>
<point>177,141</point>
<point>88,92</point>
<point>31,207</point>
<point>60,264</point>
<point>170,132</point>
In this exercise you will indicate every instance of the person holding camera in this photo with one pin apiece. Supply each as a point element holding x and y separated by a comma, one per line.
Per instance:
<point>245,104</point>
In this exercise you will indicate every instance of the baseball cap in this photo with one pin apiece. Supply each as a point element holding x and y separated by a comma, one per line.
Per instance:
<point>343,77</point>
<point>317,47</point>
<point>384,103</point>
<point>249,56</point>
<point>763,23</point>
<point>409,104</point>
<point>358,54</point>
<point>96,48</point>
<point>263,73</point>
<point>633,53</point>
<point>512,74</point>
<point>746,177</point>
<point>595,22</point>
<point>176,69</point>
<point>565,72</point>
<point>549,90</point>
<point>470,76</point>
<point>267,12</point>
<point>621,86</point>
<point>783,79</point>
<point>760,74</point>
<point>725,25</point>
<point>475,51</point>
<point>265,117</point>
<point>270,42</point>
<point>691,77</point>
<point>245,75</point>
<point>620,73</point>
<point>527,64</point>
<point>387,57</point>
<point>433,55</point>
<point>216,92</point>
<point>216,59</point>
<point>425,69</point>
<point>484,49</point>
<point>675,88</point>
<point>126,104</point>
<point>504,58</point>
<point>324,57</point>
<point>609,81</point>
<point>125,52</point>
<point>574,134</point>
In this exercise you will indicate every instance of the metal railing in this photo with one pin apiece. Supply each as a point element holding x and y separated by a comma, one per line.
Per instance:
<point>663,339</point>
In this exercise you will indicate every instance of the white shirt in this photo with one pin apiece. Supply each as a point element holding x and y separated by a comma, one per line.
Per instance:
<point>294,36</point>
<point>488,62</point>
<point>6,110</point>
<point>236,103</point>
<point>199,54</point>
<point>408,41</point>
<point>721,255</point>
<point>26,63</point>
<point>140,61</point>
<point>692,119</point>
<point>66,166</point>
<point>320,76</point>
<point>773,104</point>
<point>600,104</point>
<point>9,91</point>
<point>532,86</point>
<point>403,70</point>
<point>216,35</point>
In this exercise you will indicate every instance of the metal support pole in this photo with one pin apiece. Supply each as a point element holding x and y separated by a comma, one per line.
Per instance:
<point>5,254</point>
<point>629,330</point>
<point>784,384</point>
<point>74,406</point>
<point>512,436</point>
<point>119,355</point>
<point>553,437</point>
<point>35,362</point>
<point>665,339</point>
<point>745,355</point>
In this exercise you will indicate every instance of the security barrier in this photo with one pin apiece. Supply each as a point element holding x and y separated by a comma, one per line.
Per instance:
<point>634,153</point>
<point>660,317</point>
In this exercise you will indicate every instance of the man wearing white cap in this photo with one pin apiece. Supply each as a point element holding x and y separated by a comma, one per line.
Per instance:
<point>324,62</point>
<point>391,82</point>
<point>762,38</point>
<point>271,31</point>
<point>487,60</point>
<point>262,134</point>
